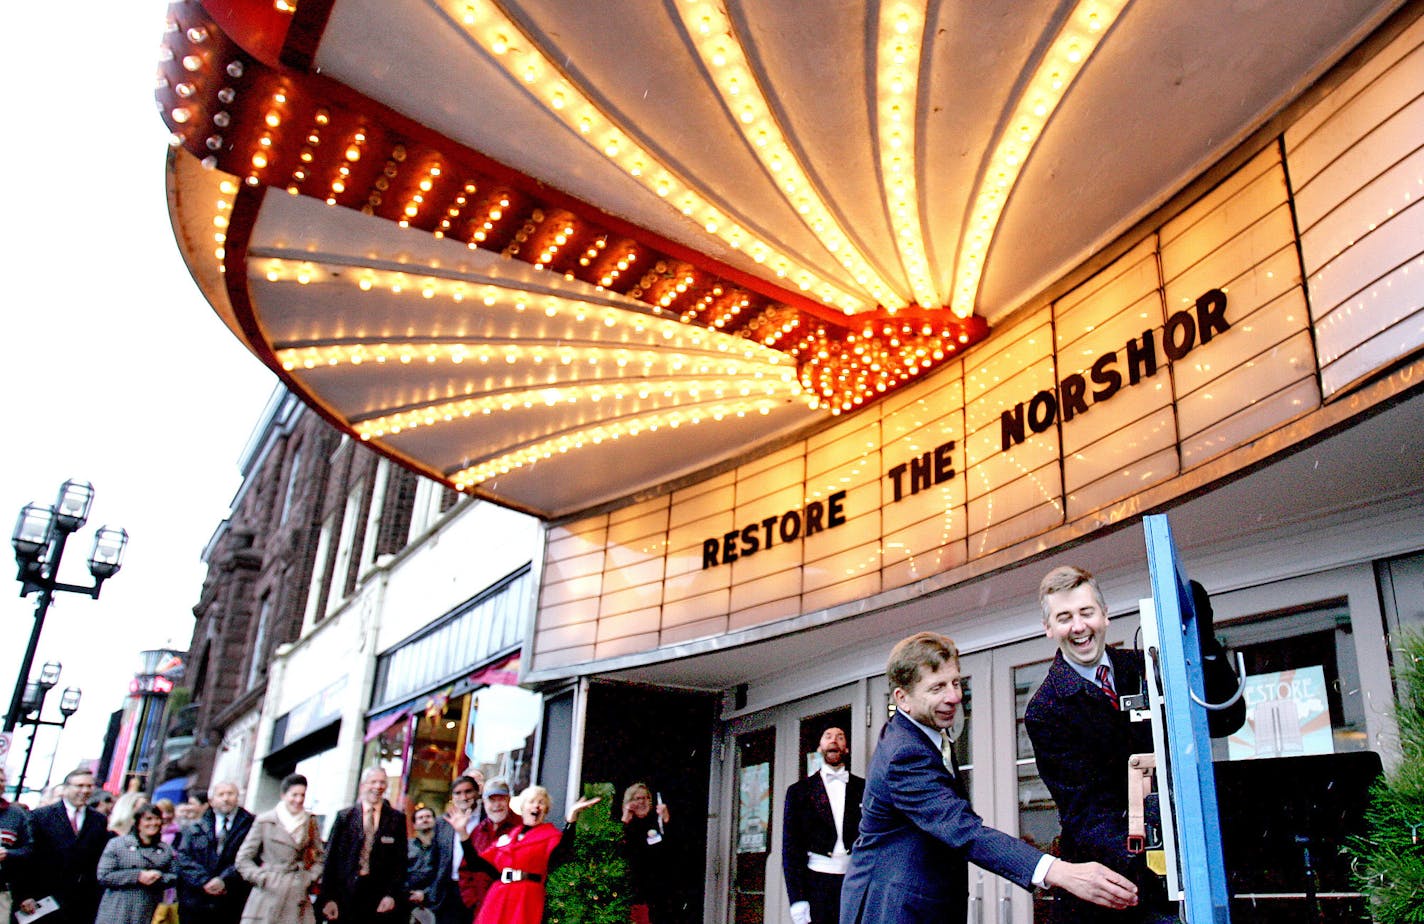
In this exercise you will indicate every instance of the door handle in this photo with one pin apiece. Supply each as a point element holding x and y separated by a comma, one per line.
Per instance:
<point>1006,910</point>
<point>976,902</point>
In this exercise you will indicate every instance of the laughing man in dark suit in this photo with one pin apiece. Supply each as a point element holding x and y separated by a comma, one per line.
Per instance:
<point>822,820</point>
<point>1082,740</point>
<point>67,839</point>
<point>917,831</point>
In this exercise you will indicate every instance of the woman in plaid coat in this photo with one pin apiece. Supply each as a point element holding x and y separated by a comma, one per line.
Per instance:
<point>134,871</point>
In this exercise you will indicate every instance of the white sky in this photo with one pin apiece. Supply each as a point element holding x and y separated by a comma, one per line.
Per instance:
<point>115,370</point>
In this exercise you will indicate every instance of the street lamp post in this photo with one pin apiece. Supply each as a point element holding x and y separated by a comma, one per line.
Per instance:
<point>68,705</point>
<point>32,709</point>
<point>39,539</point>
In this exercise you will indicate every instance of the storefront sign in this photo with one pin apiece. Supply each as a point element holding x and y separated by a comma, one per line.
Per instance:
<point>1287,714</point>
<point>1183,331</point>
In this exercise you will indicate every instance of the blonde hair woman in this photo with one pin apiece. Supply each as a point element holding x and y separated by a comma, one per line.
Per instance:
<point>121,819</point>
<point>645,847</point>
<point>523,858</point>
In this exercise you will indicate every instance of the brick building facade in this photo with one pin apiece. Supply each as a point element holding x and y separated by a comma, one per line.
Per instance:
<point>314,510</point>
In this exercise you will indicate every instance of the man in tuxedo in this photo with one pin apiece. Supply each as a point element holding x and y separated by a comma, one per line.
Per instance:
<point>209,887</point>
<point>67,838</point>
<point>364,879</point>
<point>822,820</point>
<point>1082,739</point>
<point>917,831</point>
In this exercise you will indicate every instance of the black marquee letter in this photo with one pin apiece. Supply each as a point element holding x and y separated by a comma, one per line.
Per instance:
<point>1040,421</point>
<point>750,540</point>
<point>895,475</point>
<point>813,518</point>
<point>709,553</point>
<point>1211,314</point>
<point>1105,375</point>
<point>1141,358</point>
<point>1180,322</point>
<point>1071,389</point>
<point>1011,427</point>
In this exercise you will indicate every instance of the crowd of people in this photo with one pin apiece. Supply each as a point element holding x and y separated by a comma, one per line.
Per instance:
<point>88,857</point>
<point>888,848</point>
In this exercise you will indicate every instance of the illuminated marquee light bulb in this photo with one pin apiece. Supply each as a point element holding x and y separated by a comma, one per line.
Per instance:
<point>712,35</point>
<point>599,432</point>
<point>494,32</point>
<point>552,396</point>
<point>612,310</point>
<point>1071,49</point>
<point>901,33</point>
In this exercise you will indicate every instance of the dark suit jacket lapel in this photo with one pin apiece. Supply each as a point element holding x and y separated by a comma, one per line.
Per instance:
<point>820,801</point>
<point>955,781</point>
<point>237,830</point>
<point>92,828</point>
<point>1127,672</point>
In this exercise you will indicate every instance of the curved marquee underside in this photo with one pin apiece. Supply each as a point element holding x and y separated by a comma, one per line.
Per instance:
<point>561,254</point>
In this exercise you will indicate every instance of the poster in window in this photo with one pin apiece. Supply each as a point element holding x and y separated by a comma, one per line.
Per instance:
<point>754,809</point>
<point>1287,714</point>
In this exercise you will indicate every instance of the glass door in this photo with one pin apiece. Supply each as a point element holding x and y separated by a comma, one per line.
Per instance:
<point>1018,802</point>
<point>771,749</point>
<point>752,788</point>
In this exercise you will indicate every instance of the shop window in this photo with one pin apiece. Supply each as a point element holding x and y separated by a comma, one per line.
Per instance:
<point>388,751</point>
<point>499,741</point>
<point>433,761</point>
<point>1302,685</point>
<point>326,793</point>
<point>491,731</point>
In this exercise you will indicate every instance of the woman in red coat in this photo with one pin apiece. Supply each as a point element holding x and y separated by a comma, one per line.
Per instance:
<point>522,860</point>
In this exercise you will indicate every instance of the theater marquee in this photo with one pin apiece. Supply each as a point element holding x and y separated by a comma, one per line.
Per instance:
<point>1195,342</point>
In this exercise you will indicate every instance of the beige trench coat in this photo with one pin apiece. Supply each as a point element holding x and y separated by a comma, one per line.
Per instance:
<point>272,861</point>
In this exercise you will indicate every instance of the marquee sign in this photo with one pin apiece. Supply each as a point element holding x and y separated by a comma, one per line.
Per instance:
<point>1196,341</point>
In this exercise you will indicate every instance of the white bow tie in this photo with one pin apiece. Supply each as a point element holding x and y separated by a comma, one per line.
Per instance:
<point>843,775</point>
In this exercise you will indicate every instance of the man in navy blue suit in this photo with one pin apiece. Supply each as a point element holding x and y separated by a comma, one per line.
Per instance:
<point>917,830</point>
<point>1082,739</point>
<point>209,887</point>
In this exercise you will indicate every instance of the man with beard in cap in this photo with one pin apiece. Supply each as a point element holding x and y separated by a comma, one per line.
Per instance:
<point>498,821</point>
<point>822,819</point>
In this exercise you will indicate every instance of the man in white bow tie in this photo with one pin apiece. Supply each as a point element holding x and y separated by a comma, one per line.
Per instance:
<point>822,819</point>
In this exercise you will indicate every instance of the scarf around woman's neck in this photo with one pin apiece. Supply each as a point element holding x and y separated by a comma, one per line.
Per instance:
<point>296,825</point>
